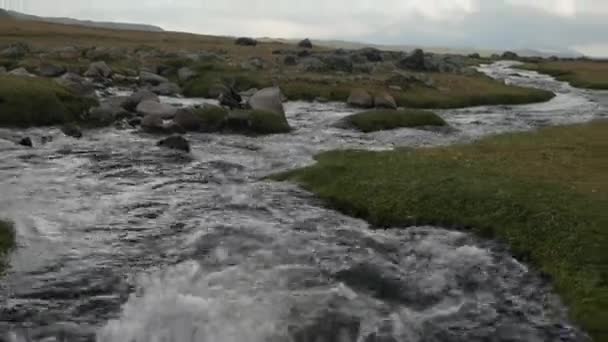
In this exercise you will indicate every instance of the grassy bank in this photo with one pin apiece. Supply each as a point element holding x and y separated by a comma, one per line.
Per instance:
<point>448,91</point>
<point>545,194</point>
<point>26,102</point>
<point>7,241</point>
<point>581,74</point>
<point>378,120</point>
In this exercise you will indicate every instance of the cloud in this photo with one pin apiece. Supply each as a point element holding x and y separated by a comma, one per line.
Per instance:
<point>497,24</point>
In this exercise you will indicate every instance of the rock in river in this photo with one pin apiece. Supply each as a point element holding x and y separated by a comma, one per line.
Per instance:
<point>175,142</point>
<point>268,99</point>
<point>151,107</point>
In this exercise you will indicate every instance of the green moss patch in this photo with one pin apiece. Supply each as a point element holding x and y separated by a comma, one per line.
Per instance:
<point>257,122</point>
<point>212,118</point>
<point>378,120</point>
<point>7,241</point>
<point>545,194</point>
<point>26,102</point>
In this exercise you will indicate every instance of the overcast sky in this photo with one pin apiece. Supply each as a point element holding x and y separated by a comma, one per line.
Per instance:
<point>495,24</point>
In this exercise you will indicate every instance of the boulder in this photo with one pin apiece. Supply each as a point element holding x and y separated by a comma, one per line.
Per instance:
<point>510,55</point>
<point>385,100</point>
<point>152,107</point>
<point>414,61</point>
<point>305,44</point>
<point>313,64</point>
<point>72,130</point>
<point>21,72</point>
<point>188,120</point>
<point>268,99</point>
<point>98,70</point>
<point>230,98</point>
<point>77,84</point>
<point>166,89</point>
<point>152,123</point>
<point>372,54</point>
<point>339,62</point>
<point>109,110</point>
<point>185,74</point>
<point>217,89</point>
<point>245,41</point>
<point>290,60</point>
<point>360,98</point>
<point>27,141</point>
<point>249,92</point>
<point>175,142</point>
<point>136,98</point>
<point>17,50</point>
<point>51,70</point>
<point>146,77</point>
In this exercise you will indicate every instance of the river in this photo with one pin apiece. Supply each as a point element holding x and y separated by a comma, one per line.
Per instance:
<point>119,240</point>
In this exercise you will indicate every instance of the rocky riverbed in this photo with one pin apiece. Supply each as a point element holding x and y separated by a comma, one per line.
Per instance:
<point>122,240</point>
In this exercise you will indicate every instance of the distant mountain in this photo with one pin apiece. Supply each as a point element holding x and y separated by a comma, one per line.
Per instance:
<point>340,44</point>
<point>85,23</point>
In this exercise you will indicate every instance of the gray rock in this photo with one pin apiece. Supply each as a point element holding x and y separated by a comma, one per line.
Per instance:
<point>166,89</point>
<point>339,62</point>
<point>372,54</point>
<point>21,72</point>
<point>17,50</point>
<point>185,74</point>
<point>306,44</point>
<point>78,85</point>
<point>249,92</point>
<point>188,120</point>
<point>268,99</point>
<point>217,90</point>
<point>109,110</point>
<point>98,70</point>
<point>27,141</point>
<point>175,142</point>
<point>290,60</point>
<point>313,64</point>
<point>147,77</point>
<point>153,123</point>
<point>360,98</point>
<point>253,64</point>
<point>136,98</point>
<point>245,41</point>
<point>414,61</point>
<point>72,130</point>
<point>152,107</point>
<point>385,100</point>
<point>51,70</point>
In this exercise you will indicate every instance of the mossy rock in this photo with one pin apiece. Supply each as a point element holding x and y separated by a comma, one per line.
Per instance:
<point>379,120</point>
<point>26,102</point>
<point>257,122</point>
<point>211,118</point>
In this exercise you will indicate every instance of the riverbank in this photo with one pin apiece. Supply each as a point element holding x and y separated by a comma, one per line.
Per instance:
<point>542,193</point>
<point>580,74</point>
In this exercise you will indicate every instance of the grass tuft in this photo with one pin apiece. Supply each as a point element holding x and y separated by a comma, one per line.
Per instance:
<point>545,194</point>
<point>378,120</point>
<point>26,102</point>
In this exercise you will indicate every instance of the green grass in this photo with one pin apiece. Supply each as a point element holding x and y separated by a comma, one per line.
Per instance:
<point>378,120</point>
<point>545,194</point>
<point>581,74</point>
<point>449,91</point>
<point>7,241</point>
<point>26,102</point>
<point>212,76</point>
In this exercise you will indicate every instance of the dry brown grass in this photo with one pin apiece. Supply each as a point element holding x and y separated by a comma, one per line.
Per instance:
<point>582,74</point>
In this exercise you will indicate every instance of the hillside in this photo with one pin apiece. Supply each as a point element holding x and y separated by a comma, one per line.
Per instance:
<point>85,23</point>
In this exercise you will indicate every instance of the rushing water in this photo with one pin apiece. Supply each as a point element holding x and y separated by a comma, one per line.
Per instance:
<point>119,240</point>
